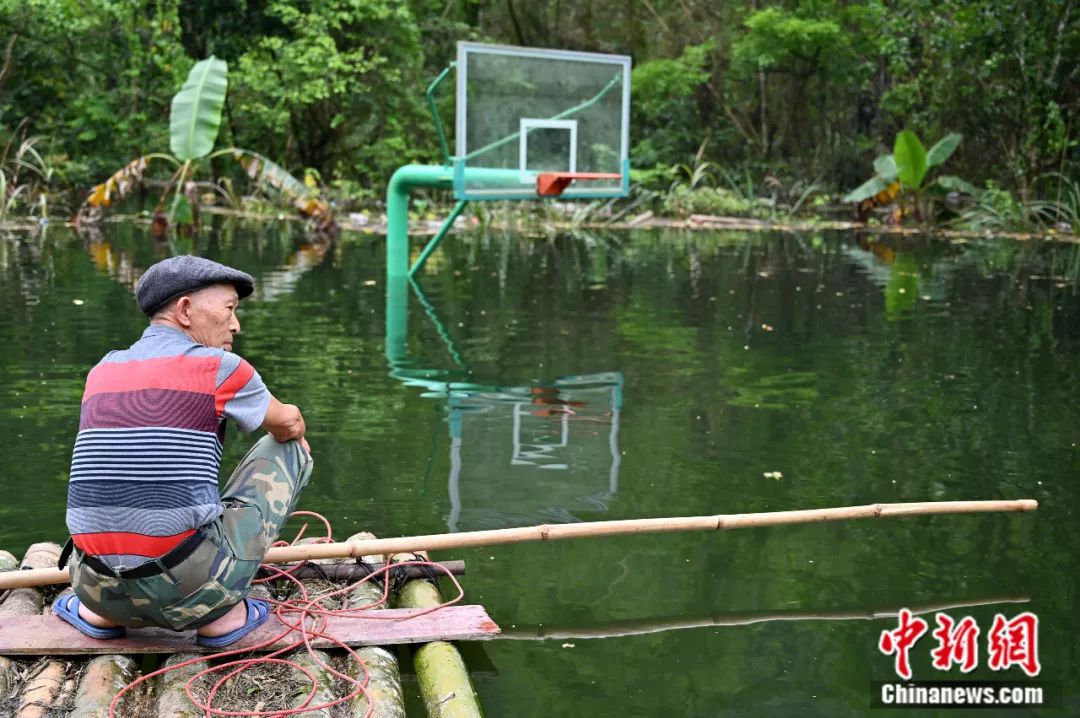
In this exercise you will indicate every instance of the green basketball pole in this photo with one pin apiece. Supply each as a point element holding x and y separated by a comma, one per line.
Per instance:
<point>402,183</point>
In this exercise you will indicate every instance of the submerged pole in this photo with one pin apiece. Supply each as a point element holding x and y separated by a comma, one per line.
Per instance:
<point>444,680</point>
<point>585,529</point>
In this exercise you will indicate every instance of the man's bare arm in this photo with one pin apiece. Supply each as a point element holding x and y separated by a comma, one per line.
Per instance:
<point>285,422</point>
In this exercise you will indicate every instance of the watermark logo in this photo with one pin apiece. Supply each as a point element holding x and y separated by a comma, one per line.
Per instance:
<point>957,643</point>
<point>901,640</point>
<point>1015,643</point>
<point>1009,642</point>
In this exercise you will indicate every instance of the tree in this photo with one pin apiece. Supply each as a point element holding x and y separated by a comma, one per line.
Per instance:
<point>336,86</point>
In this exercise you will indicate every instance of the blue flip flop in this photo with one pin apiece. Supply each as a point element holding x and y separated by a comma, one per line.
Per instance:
<point>257,613</point>
<point>66,607</point>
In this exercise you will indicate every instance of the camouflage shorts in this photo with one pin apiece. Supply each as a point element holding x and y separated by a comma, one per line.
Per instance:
<point>258,498</point>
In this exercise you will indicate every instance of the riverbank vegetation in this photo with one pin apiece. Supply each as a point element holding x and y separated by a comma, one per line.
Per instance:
<point>738,108</point>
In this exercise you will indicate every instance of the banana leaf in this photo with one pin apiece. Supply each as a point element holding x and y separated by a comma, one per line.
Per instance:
<point>118,185</point>
<point>196,110</point>
<point>265,171</point>
<point>943,149</point>
<point>910,156</point>
<point>952,183</point>
<point>867,189</point>
<point>885,166</point>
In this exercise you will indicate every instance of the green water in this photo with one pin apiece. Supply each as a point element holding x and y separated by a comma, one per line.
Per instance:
<point>637,375</point>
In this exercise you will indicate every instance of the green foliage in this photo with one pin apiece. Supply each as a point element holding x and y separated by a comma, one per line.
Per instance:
<point>194,122</point>
<point>994,209</point>
<point>788,62</point>
<point>1060,210</point>
<point>778,38</point>
<point>942,150</point>
<point>684,200</point>
<point>196,110</point>
<point>909,155</point>
<point>93,78</point>
<point>666,111</point>
<point>24,178</point>
<point>952,183</point>
<point>338,83</point>
<point>994,71</point>
<point>801,90</point>
<point>905,170</point>
<point>870,188</point>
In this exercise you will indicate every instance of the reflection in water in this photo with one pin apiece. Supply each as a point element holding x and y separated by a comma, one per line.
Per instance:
<point>120,263</point>
<point>639,627</point>
<point>562,427</point>
<point>738,354</point>
<point>534,450</point>
<point>281,281</point>
<point>117,264</point>
<point>32,272</point>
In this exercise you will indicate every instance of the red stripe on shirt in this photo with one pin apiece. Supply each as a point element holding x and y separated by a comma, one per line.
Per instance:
<point>236,381</point>
<point>100,544</point>
<point>181,373</point>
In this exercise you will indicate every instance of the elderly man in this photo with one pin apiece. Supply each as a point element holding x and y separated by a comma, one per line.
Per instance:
<point>155,544</point>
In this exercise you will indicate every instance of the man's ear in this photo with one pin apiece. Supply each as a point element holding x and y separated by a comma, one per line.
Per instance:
<point>183,311</point>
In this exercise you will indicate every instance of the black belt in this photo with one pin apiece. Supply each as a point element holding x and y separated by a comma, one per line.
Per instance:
<point>154,566</point>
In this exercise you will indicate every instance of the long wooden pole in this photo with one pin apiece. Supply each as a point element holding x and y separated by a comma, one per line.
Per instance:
<point>553,532</point>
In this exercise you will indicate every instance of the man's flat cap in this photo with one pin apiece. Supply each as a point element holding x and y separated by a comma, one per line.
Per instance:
<point>173,277</point>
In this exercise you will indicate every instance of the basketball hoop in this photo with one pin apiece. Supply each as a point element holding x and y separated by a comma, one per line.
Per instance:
<point>552,184</point>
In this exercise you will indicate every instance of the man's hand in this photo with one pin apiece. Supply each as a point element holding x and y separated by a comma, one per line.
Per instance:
<point>285,423</point>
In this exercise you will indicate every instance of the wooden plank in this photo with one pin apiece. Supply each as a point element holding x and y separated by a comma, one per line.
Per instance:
<point>49,636</point>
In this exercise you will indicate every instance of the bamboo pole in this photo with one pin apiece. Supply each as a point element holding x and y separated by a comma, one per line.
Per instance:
<point>384,697</point>
<point>44,686</point>
<point>445,686</point>
<point>172,698</point>
<point>102,679</point>
<point>553,532</point>
<point>28,600</point>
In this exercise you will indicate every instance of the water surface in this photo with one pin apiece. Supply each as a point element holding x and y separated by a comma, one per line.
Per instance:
<point>616,376</point>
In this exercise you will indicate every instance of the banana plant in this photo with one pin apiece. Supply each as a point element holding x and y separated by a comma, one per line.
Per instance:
<point>194,122</point>
<point>905,173</point>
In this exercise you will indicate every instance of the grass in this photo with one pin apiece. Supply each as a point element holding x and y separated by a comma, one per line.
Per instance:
<point>14,168</point>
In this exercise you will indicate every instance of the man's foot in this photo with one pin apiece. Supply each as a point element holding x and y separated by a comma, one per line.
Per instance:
<point>235,618</point>
<point>68,608</point>
<point>241,620</point>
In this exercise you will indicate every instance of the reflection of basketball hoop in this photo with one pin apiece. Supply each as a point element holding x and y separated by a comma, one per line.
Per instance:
<point>546,453</point>
<point>583,410</point>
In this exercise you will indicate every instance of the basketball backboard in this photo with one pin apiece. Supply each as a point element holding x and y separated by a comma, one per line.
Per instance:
<point>523,112</point>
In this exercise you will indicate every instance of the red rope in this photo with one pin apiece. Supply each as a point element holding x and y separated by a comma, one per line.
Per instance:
<point>306,616</point>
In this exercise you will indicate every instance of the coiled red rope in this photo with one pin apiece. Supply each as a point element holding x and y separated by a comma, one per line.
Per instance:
<point>304,616</point>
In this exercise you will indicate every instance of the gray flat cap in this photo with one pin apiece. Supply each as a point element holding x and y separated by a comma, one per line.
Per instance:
<point>175,276</point>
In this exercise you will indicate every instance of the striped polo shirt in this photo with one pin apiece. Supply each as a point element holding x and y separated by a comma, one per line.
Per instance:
<point>144,474</point>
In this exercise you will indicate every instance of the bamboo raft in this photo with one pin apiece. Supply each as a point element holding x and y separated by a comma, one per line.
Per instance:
<point>48,669</point>
<point>54,686</point>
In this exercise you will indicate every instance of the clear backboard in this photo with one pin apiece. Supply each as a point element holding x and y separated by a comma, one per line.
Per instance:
<point>533,122</point>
